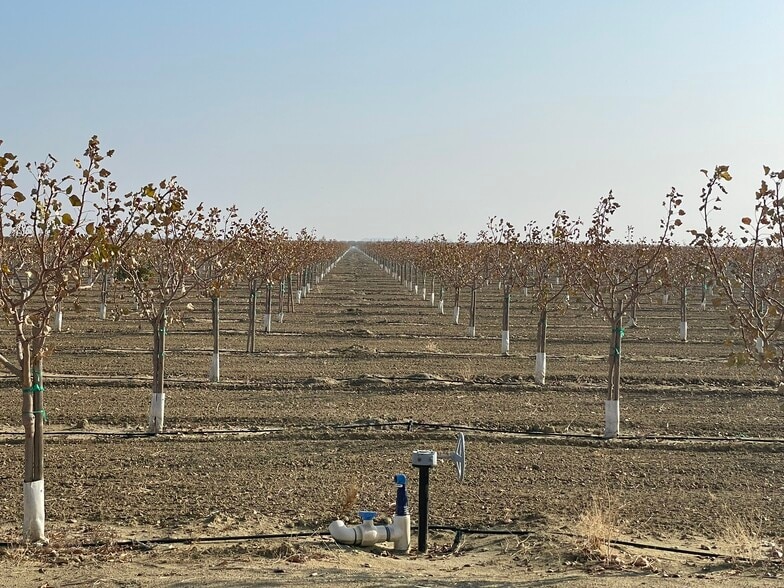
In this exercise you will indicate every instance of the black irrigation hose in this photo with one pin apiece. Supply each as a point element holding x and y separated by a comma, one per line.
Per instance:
<point>145,543</point>
<point>410,424</point>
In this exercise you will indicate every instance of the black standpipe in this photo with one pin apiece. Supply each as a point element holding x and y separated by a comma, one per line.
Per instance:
<point>424,499</point>
<point>423,460</point>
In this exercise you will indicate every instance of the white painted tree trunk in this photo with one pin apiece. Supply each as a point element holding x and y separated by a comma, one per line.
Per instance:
<point>456,315</point>
<point>612,418</point>
<point>432,299</point>
<point>525,291</point>
<point>58,320</point>
<point>215,368</point>
<point>33,528</point>
<point>102,311</point>
<point>504,342</point>
<point>540,370</point>
<point>683,331</point>
<point>416,289</point>
<point>759,344</point>
<point>299,296</point>
<point>424,293</point>
<point>267,323</point>
<point>280,317</point>
<point>157,409</point>
<point>441,307</point>
<point>471,332</point>
<point>665,298</point>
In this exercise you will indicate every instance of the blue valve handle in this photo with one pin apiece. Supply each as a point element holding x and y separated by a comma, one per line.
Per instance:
<point>367,515</point>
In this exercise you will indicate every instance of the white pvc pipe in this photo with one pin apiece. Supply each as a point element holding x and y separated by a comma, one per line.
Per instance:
<point>157,408</point>
<point>683,331</point>
<point>215,368</point>
<point>34,512</point>
<point>612,418</point>
<point>540,370</point>
<point>456,315</point>
<point>367,534</point>
<point>504,342</point>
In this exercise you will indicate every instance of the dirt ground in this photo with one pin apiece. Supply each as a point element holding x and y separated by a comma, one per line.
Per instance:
<point>314,424</point>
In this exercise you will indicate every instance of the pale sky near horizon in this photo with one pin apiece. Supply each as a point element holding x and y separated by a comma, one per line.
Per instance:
<point>404,119</point>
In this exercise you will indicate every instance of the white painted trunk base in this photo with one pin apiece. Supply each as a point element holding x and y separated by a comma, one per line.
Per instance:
<point>665,298</point>
<point>267,323</point>
<point>157,408</point>
<point>441,307</point>
<point>424,293</point>
<point>683,331</point>
<point>102,311</point>
<point>299,296</point>
<point>432,299</point>
<point>471,332</point>
<point>58,321</point>
<point>280,317</point>
<point>759,345</point>
<point>525,291</point>
<point>215,368</point>
<point>456,315</point>
<point>416,289</point>
<point>612,418</point>
<point>540,370</point>
<point>34,512</point>
<point>504,342</point>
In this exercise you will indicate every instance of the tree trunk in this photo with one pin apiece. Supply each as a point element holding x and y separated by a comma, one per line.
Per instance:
<point>472,312</point>
<point>290,293</point>
<point>33,422</point>
<point>215,368</point>
<point>268,308</point>
<point>158,399</point>
<point>456,307</point>
<point>250,345</point>
<point>104,300</point>
<point>612,404</point>
<point>683,330</point>
<point>540,370</point>
<point>505,321</point>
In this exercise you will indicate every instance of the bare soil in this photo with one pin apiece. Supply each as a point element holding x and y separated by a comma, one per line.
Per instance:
<point>315,423</point>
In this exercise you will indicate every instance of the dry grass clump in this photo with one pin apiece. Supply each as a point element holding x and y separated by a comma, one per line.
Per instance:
<point>432,346</point>
<point>348,503</point>
<point>741,537</point>
<point>598,526</point>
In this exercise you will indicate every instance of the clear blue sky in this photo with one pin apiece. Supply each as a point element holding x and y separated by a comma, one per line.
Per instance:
<point>404,119</point>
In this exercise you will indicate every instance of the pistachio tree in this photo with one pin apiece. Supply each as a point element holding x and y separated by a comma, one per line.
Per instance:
<point>166,245</point>
<point>748,267</point>
<point>612,274</point>
<point>47,232</point>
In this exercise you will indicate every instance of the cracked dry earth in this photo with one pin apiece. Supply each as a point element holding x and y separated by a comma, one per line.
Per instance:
<point>314,424</point>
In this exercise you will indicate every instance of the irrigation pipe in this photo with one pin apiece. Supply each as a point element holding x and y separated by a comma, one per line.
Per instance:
<point>145,543</point>
<point>409,425</point>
